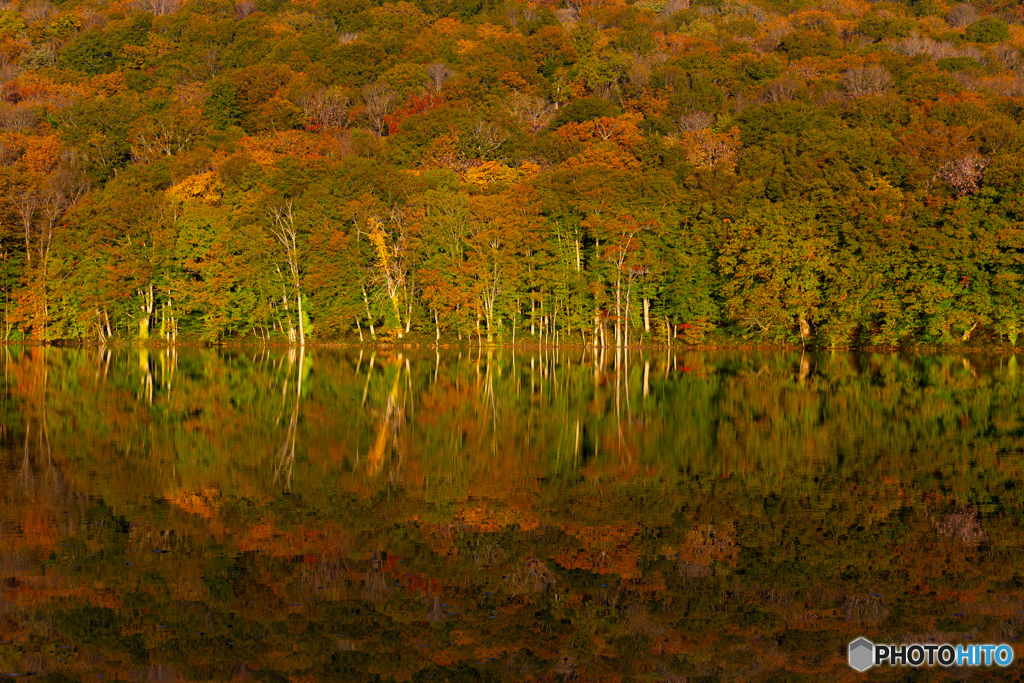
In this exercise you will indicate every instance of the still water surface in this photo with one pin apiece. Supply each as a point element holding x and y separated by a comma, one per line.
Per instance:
<point>342,515</point>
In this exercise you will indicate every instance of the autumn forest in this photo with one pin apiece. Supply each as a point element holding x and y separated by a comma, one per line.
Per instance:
<point>597,172</point>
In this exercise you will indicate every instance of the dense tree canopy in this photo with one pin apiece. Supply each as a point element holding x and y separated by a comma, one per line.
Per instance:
<point>837,172</point>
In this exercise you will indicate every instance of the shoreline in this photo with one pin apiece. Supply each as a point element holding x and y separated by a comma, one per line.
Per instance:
<point>933,349</point>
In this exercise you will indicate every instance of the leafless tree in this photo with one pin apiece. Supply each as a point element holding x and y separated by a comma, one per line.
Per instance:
<point>209,63</point>
<point>38,10</point>
<point>1008,57</point>
<point>439,73</point>
<point>488,137</point>
<point>8,70</point>
<point>158,8</point>
<point>866,80</point>
<point>779,90</point>
<point>536,112</point>
<point>244,9</point>
<point>26,203</point>
<point>91,19</point>
<point>567,17</point>
<point>961,16</point>
<point>916,44</point>
<point>964,174</point>
<point>283,228</point>
<point>673,6</point>
<point>324,108</point>
<point>380,101</point>
<point>641,66</point>
<point>347,37</point>
<point>694,121</point>
<point>15,118</point>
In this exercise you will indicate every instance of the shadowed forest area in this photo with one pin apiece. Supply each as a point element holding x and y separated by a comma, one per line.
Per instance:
<point>833,172</point>
<point>313,515</point>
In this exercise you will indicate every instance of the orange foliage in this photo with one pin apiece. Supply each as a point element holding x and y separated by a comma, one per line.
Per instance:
<point>267,149</point>
<point>442,152</point>
<point>603,156</point>
<point>308,541</point>
<point>203,502</point>
<point>108,84</point>
<point>622,130</point>
<point>40,528</point>
<point>486,172</point>
<point>41,153</point>
<point>482,518</point>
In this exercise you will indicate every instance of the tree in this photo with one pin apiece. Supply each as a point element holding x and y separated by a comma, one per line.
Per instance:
<point>774,262</point>
<point>281,224</point>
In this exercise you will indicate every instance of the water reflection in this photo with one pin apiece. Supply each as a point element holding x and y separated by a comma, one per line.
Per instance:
<point>561,514</point>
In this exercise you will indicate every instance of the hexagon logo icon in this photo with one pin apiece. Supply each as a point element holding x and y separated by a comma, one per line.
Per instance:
<point>862,654</point>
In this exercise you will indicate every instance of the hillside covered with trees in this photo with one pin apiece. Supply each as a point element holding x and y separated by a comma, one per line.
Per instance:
<point>835,172</point>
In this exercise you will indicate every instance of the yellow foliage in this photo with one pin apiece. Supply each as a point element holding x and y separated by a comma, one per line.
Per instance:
<point>379,241</point>
<point>706,148</point>
<point>1017,35</point>
<point>487,172</point>
<point>206,187</point>
<point>448,26</point>
<point>487,31</point>
<point>464,46</point>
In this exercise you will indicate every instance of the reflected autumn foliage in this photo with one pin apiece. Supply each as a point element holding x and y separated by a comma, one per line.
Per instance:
<point>195,514</point>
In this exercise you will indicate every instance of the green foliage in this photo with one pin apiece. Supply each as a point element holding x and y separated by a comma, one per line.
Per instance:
<point>585,110</point>
<point>958,64</point>
<point>988,30</point>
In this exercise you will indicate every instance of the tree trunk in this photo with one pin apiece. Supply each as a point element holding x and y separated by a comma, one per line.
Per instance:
<point>805,327</point>
<point>618,311</point>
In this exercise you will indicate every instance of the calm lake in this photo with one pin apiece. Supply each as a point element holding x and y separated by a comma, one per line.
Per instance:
<point>340,515</point>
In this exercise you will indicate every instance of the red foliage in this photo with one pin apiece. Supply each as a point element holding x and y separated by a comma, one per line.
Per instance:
<point>417,105</point>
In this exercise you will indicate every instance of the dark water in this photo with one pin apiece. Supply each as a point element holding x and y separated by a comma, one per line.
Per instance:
<point>247,514</point>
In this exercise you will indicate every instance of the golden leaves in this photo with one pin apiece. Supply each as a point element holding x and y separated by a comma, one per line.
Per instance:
<point>206,187</point>
<point>487,172</point>
<point>706,148</point>
<point>448,26</point>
